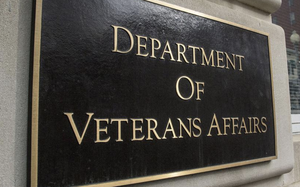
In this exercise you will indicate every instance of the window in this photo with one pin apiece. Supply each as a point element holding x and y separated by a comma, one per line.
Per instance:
<point>291,2</point>
<point>292,18</point>
<point>274,20</point>
<point>292,67</point>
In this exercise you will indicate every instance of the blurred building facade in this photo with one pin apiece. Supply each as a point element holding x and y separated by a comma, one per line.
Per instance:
<point>288,17</point>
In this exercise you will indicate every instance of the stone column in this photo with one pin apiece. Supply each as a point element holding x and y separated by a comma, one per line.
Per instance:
<point>15,37</point>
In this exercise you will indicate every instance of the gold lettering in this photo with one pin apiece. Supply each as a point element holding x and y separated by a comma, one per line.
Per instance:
<point>188,131</point>
<point>181,52</point>
<point>214,121</point>
<point>250,124</point>
<point>224,60</point>
<point>167,49</point>
<point>135,128</point>
<point>99,130</point>
<point>243,126</point>
<point>171,129</point>
<point>194,53</point>
<point>197,127</point>
<point>240,57</point>
<point>256,123</point>
<point>139,45</point>
<point>153,40</point>
<point>177,88</point>
<point>199,90</point>
<point>152,129</point>
<point>220,59</point>
<point>211,58</point>
<point>116,39</point>
<point>119,127</point>
<point>228,60</point>
<point>73,125</point>
<point>234,125</point>
<point>263,122</point>
<point>226,125</point>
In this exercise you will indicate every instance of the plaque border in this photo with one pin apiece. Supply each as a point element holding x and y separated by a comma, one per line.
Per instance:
<point>35,106</point>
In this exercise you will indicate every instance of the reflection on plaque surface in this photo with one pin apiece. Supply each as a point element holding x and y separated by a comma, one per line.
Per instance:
<point>132,91</point>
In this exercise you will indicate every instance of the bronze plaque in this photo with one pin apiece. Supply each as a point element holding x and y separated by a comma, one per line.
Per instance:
<point>128,91</point>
